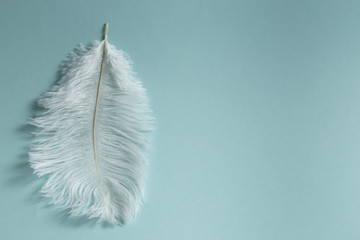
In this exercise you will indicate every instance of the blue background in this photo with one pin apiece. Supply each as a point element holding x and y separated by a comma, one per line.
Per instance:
<point>258,108</point>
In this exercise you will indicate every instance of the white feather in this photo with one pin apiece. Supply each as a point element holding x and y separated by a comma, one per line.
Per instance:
<point>62,147</point>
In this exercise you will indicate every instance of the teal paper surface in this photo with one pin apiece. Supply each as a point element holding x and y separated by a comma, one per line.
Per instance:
<point>258,109</point>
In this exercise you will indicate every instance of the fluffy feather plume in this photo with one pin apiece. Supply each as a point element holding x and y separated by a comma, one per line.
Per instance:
<point>95,165</point>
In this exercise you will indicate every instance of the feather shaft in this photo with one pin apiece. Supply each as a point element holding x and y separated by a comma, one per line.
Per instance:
<point>96,107</point>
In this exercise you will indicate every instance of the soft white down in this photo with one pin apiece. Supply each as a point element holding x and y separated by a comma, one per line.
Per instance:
<point>62,148</point>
